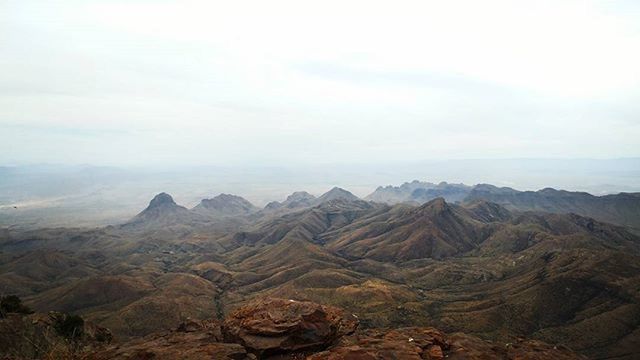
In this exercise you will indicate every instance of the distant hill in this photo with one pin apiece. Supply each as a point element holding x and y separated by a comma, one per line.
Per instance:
<point>302,199</point>
<point>163,211</point>
<point>336,193</point>
<point>420,192</point>
<point>622,209</point>
<point>225,205</point>
<point>396,194</point>
<point>298,199</point>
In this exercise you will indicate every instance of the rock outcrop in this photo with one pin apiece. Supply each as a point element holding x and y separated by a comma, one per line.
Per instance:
<point>277,325</point>
<point>288,329</point>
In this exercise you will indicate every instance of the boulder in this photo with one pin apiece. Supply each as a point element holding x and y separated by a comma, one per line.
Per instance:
<point>275,326</point>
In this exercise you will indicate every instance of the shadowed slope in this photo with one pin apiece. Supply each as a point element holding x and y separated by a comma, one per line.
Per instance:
<point>434,230</point>
<point>623,208</point>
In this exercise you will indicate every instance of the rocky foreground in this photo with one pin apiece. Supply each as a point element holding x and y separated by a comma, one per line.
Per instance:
<point>288,329</point>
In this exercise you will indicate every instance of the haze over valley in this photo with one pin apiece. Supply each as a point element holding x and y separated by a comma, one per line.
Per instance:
<point>58,195</point>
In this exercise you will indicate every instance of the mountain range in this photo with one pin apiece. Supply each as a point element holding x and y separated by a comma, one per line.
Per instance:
<point>622,208</point>
<point>554,266</point>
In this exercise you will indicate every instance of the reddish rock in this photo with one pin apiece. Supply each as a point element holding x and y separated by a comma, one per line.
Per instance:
<point>191,325</point>
<point>277,326</point>
<point>465,346</point>
<point>187,348</point>
<point>193,340</point>
<point>405,343</point>
<point>429,343</point>
<point>435,352</point>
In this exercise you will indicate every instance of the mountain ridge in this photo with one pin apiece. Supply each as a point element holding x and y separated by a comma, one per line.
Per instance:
<point>622,208</point>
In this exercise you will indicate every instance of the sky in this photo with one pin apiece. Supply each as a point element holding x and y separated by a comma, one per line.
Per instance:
<point>195,82</point>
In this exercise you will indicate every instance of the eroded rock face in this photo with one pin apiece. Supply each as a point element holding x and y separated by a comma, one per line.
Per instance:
<point>278,326</point>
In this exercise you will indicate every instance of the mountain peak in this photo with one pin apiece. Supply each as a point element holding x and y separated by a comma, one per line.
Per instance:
<point>162,210</point>
<point>337,193</point>
<point>300,195</point>
<point>437,204</point>
<point>435,207</point>
<point>337,190</point>
<point>225,204</point>
<point>162,199</point>
<point>297,199</point>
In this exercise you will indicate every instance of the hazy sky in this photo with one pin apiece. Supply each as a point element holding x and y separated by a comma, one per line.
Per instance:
<point>288,82</point>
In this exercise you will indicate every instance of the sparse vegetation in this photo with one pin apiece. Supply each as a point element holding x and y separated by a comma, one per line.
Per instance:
<point>12,304</point>
<point>69,326</point>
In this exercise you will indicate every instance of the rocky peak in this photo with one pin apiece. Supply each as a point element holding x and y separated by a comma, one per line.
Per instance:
<point>226,204</point>
<point>161,200</point>
<point>273,205</point>
<point>162,211</point>
<point>225,199</point>
<point>435,206</point>
<point>337,193</point>
<point>300,195</point>
<point>299,199</point>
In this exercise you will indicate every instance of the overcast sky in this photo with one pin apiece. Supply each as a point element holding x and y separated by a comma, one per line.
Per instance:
<point>289,82</point>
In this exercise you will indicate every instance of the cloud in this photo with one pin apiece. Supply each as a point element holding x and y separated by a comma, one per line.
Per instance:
<point>287,81</point>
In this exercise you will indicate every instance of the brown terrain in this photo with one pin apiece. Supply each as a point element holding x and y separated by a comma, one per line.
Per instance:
<point>486,276</point>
